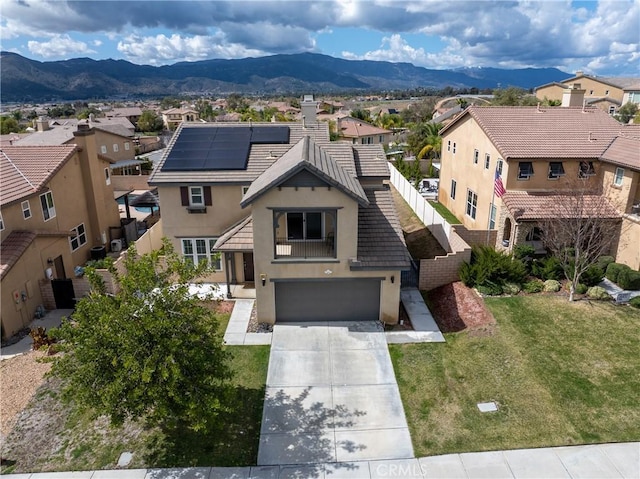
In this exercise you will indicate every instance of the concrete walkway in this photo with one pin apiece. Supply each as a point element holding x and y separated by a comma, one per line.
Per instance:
<point>599,461</point>
<point>425,329</point>
<point>331,396</point>
<point>52,319</point>
<point>236,332</point>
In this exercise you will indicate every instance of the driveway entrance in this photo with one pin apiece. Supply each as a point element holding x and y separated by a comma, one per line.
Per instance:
<point>331,396</point>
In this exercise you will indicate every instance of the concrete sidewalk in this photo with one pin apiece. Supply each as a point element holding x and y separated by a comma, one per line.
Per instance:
<point>598,461</point>
<point>52,319</point>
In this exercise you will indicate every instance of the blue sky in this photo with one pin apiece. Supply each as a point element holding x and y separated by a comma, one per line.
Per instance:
<point>598,37</point>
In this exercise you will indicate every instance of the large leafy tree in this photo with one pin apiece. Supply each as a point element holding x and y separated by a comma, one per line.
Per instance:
<point>626,112</point>
<point>150,351</point>
<point>149,121</point>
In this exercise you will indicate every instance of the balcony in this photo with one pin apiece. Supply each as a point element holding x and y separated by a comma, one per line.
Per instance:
<point>306,249</point>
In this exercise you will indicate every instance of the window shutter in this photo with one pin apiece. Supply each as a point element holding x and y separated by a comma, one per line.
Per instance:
<point>207,195</point>
<point>184,195</point>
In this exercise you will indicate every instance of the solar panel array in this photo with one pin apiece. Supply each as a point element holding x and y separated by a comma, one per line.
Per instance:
<point>220,148</point>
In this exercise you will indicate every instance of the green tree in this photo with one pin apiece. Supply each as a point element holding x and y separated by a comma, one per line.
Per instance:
<point>151,351</point>
<point>235,102</point>
<point>360,114</point>
<point>8,124</point>
<point>425,141</point>
<point>149,121</point>
<point>170,102</point>
<point>205,110</point>
<point>513,96</point>
<point>626,112</point>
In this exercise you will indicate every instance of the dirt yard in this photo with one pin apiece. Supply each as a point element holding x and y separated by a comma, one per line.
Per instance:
<point>456,307</point>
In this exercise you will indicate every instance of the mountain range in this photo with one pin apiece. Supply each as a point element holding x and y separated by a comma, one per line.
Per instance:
<point>26,80</point>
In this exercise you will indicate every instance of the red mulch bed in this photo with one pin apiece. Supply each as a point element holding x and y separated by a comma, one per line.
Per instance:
<point>456,307</point>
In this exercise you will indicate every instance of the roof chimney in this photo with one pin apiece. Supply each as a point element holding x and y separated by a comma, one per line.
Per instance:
<point>579,73</point>
<point>573,96</point>
<point>308,107</point>
<point>42,124</point>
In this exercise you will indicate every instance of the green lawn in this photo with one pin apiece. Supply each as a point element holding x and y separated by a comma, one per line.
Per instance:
<point>445,213</point>
<point>70,440</point>
<point>562,373</point>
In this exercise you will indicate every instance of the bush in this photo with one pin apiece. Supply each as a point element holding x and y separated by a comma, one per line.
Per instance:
<point>635,302</point>
<point>547,268</point>
<point>581,288</point>
<point>489,289</point>
<point>613,270</point>
<point>490,267</point>
<point>533,286</point>
<point>592,276</point>
<point>522,251</point>
<point>465,273</point>
<point>103,263</point>
<point>511,288</point>
<point>629,279</point>
<point>551,286</point>
<point>598,293</point>
<point>604,261</point>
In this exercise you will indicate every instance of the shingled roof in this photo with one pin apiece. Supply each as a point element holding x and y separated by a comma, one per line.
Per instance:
<point>530,206</point>
<point>25,170</point>
<point>624,152</point>
<point>381,244</point>
<point>306,155</point>
<point>237,238</point>
<point>543,133</point>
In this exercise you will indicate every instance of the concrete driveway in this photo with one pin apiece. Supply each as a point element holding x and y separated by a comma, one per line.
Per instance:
<point>331,396</point>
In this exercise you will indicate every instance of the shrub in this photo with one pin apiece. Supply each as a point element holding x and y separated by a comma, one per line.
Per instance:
<point>465,273</point>
<point>547,268</point>
<point>629,279</point>
<point>598,293</point>
<point>635,302</point>
<point>613,270</point>
<point>604,261</point>
<point>592,276</point>
<point>40,338</point>
<point>489,266</point>
<point>581,288</point>
<point>533,286</point>
<point>522,251</point>
<point>103,263</point>
<point>511,288</point>
<point>490,289</point>
<point>551,286</point>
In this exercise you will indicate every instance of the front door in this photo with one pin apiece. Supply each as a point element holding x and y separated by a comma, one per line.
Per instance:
<point>63,293</point>
<point>247,259</point>
<point>58,264</point>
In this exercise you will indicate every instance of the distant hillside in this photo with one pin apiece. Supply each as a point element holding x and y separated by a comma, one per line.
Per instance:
<point>23,79</point>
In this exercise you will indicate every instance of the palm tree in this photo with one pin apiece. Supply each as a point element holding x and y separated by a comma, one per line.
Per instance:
<point>432,144</point>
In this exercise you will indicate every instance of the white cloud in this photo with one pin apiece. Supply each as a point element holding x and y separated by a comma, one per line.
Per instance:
<point>97,43</point>
<point>59,46</point>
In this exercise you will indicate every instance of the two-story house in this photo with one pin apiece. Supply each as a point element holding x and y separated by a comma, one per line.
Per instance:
<point>56,204</point>
<point>530,150</point>
<point>175,116</point>
<point>311,222</point>
<point>360,132</point>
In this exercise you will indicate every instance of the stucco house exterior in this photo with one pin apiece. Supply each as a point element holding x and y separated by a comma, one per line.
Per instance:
<point>174,116</point>
<point>360,132</point>
<point>311,222</point>
<point>531,149</point>
<point>56,204</point>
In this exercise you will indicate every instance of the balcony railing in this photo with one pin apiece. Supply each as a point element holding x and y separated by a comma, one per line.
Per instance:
<point>317,248</point>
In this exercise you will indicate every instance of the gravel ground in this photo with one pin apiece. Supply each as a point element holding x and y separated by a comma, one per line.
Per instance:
<point>20,376</point>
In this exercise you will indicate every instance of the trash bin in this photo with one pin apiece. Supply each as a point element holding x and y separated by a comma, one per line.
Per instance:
<point>98,252</point>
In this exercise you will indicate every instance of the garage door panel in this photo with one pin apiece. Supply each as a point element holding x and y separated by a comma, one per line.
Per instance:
<point>334,300</point>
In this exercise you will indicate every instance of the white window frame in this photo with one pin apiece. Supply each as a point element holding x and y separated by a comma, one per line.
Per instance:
<point>499,166</point>
<point>107,176</point>
<point>48,206</point>
<point>116,148</point>
<point>453,150</point>
<point>26,209</point>
<point>472,204</point>
<point>487,161</point>
<point>244,190</point>
<point>127,146</point>
<point>78,237</point>
<point>492,216</point>
<point>449,145</point>
<point>525,177</point>
<point>618,177</point>
<point>103,149</point>
<point>1,222</point>
<point>454,185</point>
<point>476,157</point>
<point>612,109</point>
<point>190,251</point>
<point>193,195</point>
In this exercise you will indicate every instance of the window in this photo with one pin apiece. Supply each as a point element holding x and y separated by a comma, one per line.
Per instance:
<point>78,237</point>
<point>103,149</point>
<point>1,223</point>
<point>305,225</point>
<point>556,170</point>
<point>244,190</point>
<point>612,110</point>
<point>534,235</point>
<point>198,250</point>
<point>525,170</point>
<point>454,148</point>
<point>48,208</point>
<point>617,179</point>
<point>487,161</point>
<point>590,92</point>
<point>606,93</point>
<point>476,156</point>
<point>107,176</point>
<point>449,145</point>
<point>472,204</point>
<point>586,169</point>
<point>127,146</point>
<point>380,139</point>
<point>196,198</point>
<point>115,147</point>
<point>453,189</point>
<point>26,210</point>
<point>499,166</point>
<point>492,217</point>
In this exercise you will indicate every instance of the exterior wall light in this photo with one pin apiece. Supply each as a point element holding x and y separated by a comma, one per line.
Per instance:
<point>263,278</point>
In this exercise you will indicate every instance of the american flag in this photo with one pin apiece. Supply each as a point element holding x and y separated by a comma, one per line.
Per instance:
<point>498,187</point>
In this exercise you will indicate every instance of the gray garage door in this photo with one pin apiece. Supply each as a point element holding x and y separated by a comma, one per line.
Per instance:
<point>331,300</point>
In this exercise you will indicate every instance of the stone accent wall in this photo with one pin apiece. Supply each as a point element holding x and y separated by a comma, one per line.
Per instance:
<point>46,290</point>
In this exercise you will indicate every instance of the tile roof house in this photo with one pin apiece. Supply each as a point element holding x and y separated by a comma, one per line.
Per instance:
<point>536,153</point>
<point>56,203</point>
<point>174,116</point>
<point>310,221</point>
<point>359,131</point>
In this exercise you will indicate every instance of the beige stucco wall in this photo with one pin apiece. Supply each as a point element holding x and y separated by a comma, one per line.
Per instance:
<point>628,251</point>
<point>346,247</point>
<point>625,195</point>
<point>593,88</point>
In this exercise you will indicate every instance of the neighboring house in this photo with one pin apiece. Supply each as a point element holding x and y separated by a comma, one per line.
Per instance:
<point>130,113</point>
<point>632,94</point>
<point>361,132</point>
<point>312,222</point>
<point>532,148</point>
<point>56,204</point>
<point>610,88</point>
<point>175,116</point>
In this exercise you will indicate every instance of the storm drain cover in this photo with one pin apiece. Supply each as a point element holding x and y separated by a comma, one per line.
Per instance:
<point>487,406</point>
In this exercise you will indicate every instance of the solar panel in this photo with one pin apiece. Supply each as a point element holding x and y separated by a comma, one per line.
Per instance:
<point>220,148</point>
